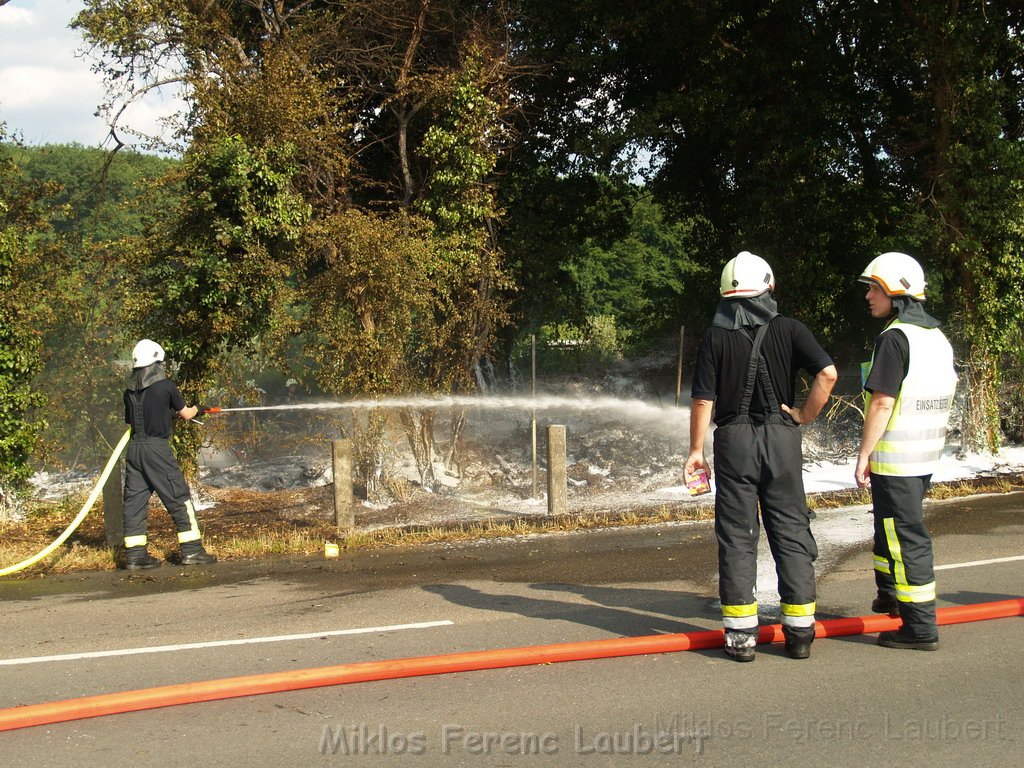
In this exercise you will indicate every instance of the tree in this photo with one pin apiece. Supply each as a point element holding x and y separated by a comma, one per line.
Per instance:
<point>96,207</point>
<point>745,136</point>
<point>388,106</point>
<point>462,147</point>
<point>816,134</point>
<point>957,130</point>
<point>354,88</point>
<point>23,231</point>
<point>213,277</point>
<point>645,279</point>
<point>369,314</point>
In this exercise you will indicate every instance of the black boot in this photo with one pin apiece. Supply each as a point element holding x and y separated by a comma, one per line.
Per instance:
<point>798,648</point>
<point>141,562</point>
<point>740,645</point>
<point>896,639</point>
<point>798,645</point>
<point>886,603</point>
<point>199,557</point>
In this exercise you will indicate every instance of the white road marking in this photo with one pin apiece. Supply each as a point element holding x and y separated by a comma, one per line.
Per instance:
<point>221,643</point>
<point>978,562</point>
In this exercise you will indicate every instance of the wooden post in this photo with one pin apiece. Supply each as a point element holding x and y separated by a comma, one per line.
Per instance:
<point>113,507</point>
<point>533,416</point>
<point>344,512</point>
<point>556,469</point>
<point>679,369</point>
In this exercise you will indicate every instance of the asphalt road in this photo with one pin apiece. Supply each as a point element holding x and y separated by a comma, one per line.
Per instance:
<point>852,703</point>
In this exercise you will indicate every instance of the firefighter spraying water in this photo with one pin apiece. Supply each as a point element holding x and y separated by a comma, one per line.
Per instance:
<point>150,404</point>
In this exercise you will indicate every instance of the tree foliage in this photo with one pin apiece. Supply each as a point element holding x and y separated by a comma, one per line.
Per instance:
<point>644,278</point>
<point>23,235</point>
<point>371,308</point>
<point>817,134</point>
<point>379,189</point>
<point>214,274</point>
<point>97,206</point>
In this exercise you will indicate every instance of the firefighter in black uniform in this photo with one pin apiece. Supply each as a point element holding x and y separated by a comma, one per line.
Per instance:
<point>746,372</point>
<point>149,406</point>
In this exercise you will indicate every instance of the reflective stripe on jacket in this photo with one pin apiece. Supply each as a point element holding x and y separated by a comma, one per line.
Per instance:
<point>916,433</point>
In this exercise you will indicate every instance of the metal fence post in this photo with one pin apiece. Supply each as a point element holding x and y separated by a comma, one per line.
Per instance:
<point>679,369</point>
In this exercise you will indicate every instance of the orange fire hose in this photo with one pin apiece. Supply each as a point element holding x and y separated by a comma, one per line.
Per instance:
<point>275,682</point>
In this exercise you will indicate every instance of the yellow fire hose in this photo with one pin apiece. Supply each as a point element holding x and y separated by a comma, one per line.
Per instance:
<point>111,463</point>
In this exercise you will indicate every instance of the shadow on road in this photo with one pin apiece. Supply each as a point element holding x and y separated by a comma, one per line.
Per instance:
<point>621,612</point>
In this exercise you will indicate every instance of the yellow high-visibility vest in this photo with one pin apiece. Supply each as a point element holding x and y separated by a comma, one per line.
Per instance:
<point>916,432</point>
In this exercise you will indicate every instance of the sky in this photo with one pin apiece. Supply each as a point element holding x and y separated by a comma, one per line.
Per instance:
<point>48,93</point>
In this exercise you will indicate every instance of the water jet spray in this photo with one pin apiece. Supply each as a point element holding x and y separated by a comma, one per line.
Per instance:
<point>633,408</point>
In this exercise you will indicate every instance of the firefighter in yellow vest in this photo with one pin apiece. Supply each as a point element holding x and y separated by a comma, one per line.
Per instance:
<point>908,391</point>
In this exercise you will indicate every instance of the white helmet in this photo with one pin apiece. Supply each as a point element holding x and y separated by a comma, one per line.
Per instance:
<point>290,382</point>
<point>146,353</point>
<point>897,274</point>
<point>745,276</point>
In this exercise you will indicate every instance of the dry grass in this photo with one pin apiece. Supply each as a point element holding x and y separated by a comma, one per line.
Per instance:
<point>504,528</point>
<point>249,525</point>
<point>265,544</point>
<point>968,487</point>
<point>835,499</point>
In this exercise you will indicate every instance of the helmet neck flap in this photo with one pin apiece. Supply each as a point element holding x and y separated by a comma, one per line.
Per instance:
<point>144,377</point>
<point>738,313</point>
<point>911,312</point>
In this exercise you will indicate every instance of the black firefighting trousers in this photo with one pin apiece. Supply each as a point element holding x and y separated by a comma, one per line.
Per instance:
<point>761,465</point>
<point>904,565</point>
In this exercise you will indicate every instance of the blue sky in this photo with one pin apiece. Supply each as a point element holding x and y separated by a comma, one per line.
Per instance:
<point>48,94</point>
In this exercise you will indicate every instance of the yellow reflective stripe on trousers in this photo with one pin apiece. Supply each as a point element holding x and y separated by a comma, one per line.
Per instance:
<point>791,609</point>
<point>798,615</point>
<point>882,565</point>
<point>135,541</point>
<point>737,611</point>
<point>895,550</point>
<point>192,534</point>
<point>906,593</point>
<point>739,616</point>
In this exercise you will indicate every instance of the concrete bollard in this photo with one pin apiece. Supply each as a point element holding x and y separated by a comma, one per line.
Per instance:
<point>556,470</point>
<point>344,511</point>
<point>113,507</point>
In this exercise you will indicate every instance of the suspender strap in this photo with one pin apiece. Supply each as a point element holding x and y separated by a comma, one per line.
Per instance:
<point>757,370</point>
<point>766,384</point>
<point>138,416</point>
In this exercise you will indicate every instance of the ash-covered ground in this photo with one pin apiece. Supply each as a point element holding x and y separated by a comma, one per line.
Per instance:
<point>626,446</point>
